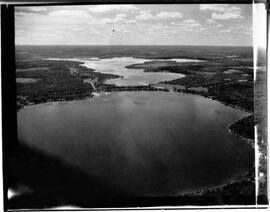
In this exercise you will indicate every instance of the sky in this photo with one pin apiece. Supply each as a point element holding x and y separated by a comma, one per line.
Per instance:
<point>126,24</point>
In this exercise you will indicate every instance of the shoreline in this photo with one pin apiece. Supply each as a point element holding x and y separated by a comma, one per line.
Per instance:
<point>217,188</point>
<point>240,137</point>
<point>113,88</point>
<point>200,192</point>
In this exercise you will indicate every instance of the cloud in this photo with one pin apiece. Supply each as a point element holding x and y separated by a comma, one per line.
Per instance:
<point>238,29</point>
<point>118,19</point>
<point>223,11</point>
<point>147,15</point>
<point>139,24</point>
<point>168,15</point>
<point>107,8</point>
<point>37,9</point>
<point>227,30</point>
<point>120,16</point>
<point>69,13</point>
<point>227,16</point>
<point>69,17</point>
<point>81,17</point>
<point>30,10</point>
<point>191,22</point>
<point>210,21</point>
<point>188,25</point>
<point>213,22</point>
<point>214,7</point>
<point>20,13</point>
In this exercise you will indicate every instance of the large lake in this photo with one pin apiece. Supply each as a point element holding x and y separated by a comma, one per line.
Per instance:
<point>145,143</point>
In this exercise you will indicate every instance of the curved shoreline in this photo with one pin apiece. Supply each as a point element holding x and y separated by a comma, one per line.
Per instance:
<point>113,88</point>
<point>200,192</point>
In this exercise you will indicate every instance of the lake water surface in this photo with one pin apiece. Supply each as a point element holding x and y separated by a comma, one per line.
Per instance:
<point>131,76</point>
<point>145,143</point>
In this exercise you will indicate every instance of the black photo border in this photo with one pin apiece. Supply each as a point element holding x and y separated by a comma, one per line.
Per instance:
<point>8,74</point>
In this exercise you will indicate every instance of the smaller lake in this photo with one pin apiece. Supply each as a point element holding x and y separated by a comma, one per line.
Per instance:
<point>130,76</point>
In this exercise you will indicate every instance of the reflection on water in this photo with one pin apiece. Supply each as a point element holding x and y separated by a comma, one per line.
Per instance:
<point>146,143</point>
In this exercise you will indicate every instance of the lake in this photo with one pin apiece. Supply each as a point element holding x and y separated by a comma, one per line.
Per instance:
<point>144,143</point>
<point>130,76</point>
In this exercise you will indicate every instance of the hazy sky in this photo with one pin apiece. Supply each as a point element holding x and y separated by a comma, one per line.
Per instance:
<point>205,24</point>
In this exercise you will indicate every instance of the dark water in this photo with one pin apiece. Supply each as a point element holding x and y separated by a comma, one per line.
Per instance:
<point>146,143</point>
